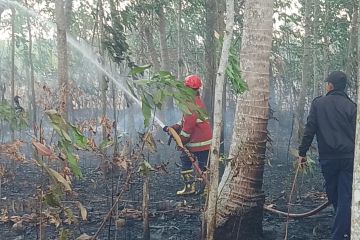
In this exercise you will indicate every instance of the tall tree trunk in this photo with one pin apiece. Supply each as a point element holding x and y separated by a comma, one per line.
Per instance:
<point>151,47</point>
<point>63,74</point>
<point>326,44</point>
<point>355,205</point>
<point>210,56</point>
<point>32,99</point>
<point>352,48</point>
<point>306,73</point>
<point>163,45</point>
<point>220,23</point>
<point>315,52</point>
<point>104,81</point>
<point>68,20</point>
<point>241,199</point>
<point>218,122</point>
<point>13,13</point>
<point>179,43</point>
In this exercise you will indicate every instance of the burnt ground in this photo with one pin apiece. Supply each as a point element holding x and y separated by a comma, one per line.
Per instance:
<point>171,217</point>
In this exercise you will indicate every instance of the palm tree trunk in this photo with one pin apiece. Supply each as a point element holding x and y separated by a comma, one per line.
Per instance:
<point>241,199</point>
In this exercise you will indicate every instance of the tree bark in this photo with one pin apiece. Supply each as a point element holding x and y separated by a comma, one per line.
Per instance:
<point>63,75</point>
<point>13,13</point>
<point>315,52</point>
<point>306,73</point>
<point>352,49</point>
<point>163,45</point>
<point>179,40</point>
<point>355,207</point>
<point>151,48</point>
<point>241,199</point>
<point>220,25</point>
<point>104,84</point>
<point>210,56</point>
<point>32,78</point>
<point>218,122</point>
<point>146,200</point>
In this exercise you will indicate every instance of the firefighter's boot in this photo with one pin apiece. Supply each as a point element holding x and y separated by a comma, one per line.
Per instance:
<point>189,183</point>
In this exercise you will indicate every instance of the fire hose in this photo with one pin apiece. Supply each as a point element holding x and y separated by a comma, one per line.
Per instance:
<point>174,135</point>
<point>297,215</point>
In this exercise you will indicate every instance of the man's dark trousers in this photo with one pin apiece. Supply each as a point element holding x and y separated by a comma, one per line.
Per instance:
<point>338,174</point>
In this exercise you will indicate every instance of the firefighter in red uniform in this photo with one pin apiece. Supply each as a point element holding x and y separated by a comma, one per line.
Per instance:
<point>196,136</point>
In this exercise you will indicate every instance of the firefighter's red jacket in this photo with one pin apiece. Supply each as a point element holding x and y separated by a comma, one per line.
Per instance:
<point>195,133</point>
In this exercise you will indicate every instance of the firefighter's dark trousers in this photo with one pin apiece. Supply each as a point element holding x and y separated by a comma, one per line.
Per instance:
<point>338,174</point>
<point>201,158</point>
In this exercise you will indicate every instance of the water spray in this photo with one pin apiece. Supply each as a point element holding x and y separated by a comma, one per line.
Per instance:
<point>84,48</point>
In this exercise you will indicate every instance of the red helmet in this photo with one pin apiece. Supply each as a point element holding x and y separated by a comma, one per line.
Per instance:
<point>193,81</point>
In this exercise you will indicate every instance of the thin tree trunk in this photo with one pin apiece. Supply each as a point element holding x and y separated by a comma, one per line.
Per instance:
<point>68,20</point>
<point>146,199</point>
<point>32,79</point>
<point>315,50</point>
<point>13,13</point>
<point>218,122</point>
<point>63,74</point>
<point>352,47</point>
<point>179,40</point>
<point>241,199</point>
<point>326,43</point>
<point>355,206</point>
<point>104,81</point>
<point>163,45</point>
<point>115,118</point>
<point>306,73</point>
<point>210,56</point>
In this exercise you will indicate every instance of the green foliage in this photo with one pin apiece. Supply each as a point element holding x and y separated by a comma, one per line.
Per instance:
<point>233,73</point>
<point>70,137</point>
<point>16,119</point>
<point>161,86</point>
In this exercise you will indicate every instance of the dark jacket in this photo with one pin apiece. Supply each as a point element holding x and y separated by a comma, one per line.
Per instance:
<point>333,119</point>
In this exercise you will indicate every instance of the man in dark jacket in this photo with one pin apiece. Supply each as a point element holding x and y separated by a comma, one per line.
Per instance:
<point>332,119</point>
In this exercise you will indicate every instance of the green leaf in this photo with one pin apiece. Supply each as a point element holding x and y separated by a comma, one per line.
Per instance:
<point>138,70</point>
<point>80,139</point>
<point>158,97</point>
<point>65,135</point>
<point>146,110</point>
<point>73,163</point>
<point>233,74</point>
